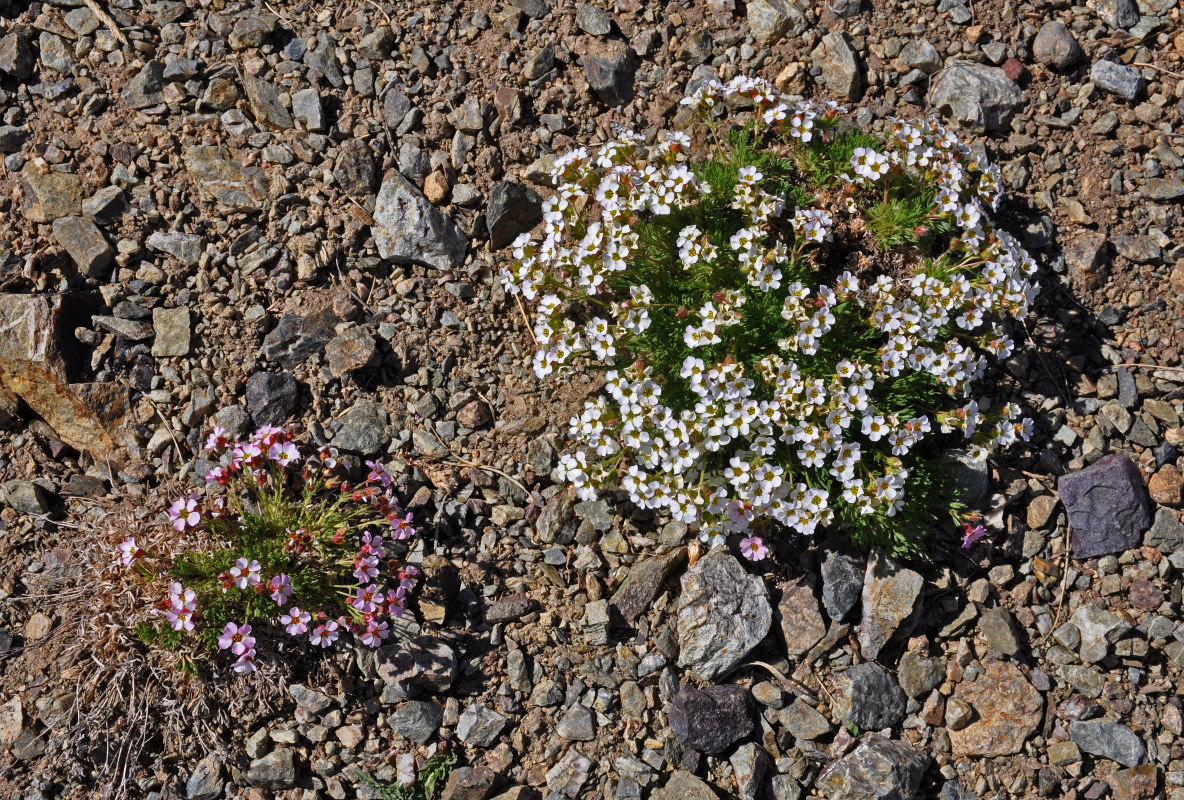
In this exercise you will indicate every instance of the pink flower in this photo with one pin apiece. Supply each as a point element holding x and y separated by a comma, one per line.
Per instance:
<point>181,597</point>
<point>372,545</point>
<point>367,568</point>
<point>281,589</point>
<point>216,475</point>
<point>183,512</point>
<point>401,527</point>
<point>237,639</point>
<point>753,548</point>
<point>378,473</point>
<point>324,634</point>
<point>283,454</point>
<point>245,573</point>
<point>129,552</point>
<point>328,456</point>
<point>245,663</point>
<point>180,618</point>
<point>375,633</point>
<point>295,621</point>
<point>972,533</point>
<point>218,438</point>
<point>364,602</point>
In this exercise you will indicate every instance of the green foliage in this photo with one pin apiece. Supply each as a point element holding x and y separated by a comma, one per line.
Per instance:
<point>428,781</point>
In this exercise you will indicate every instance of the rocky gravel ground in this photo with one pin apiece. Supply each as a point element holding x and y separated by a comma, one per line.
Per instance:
<point>240,214</point>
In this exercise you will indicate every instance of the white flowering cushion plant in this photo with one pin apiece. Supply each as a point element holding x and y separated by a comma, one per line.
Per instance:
<point>788,316</point>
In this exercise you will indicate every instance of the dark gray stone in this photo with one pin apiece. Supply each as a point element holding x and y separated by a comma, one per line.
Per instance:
<point>1118,13</point>
<point>16,56</point>
<point>1107,506</point>
<point>417,720</point>
<point>364,429</point>
<point>953,790</point>
<point>712,719</point>
<point>919,675</point>
<point>610,67</point>
<point>869,697</point>
<point>842,583</point>
<point>295,338</point>
<point>513,209</point>
<point>395,106</point>
<point>146,88</point>
<point>272,397</point>
<point>593,20</point>
<point>479,726</point>
<point>577,724</point>
<point>206,781</point>
<point>1055,45</point>
<point>356,172</point>
<point>1108,740</point>
<point>841,72</point>
<point>85,243</point>
<point>1167,532</point>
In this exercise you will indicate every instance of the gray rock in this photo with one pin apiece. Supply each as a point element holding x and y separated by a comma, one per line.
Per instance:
<point>308,109</point>
<point>377,44</point>
<point>577,724</point>
<point>12,138</point>
<point>355,170</point>
<point>146,88</point>
<point>222,179</point>
<point>749,764</point>
<point>684,786</point>
<point>185,247</point>
<point>275,771</point>
<point>840,67</point>
<point>1055,45</point>
<point>712,719</point>
<point>890,600</point>
<point>16,56</point>
<point>85,243</point>
<point>804,721</point>
<point>593,20</point>
<point>1000,631</point>
<point>953,790</point>
<point>395,106</point>
<point>868,696</point>
<point>595,622</point>
<point>1118,13</point>
<point>350,350</point>
<point>467,783</point>
<point>568,776</point>
<point>272,397</point>
<point>479,726</point>
<point>1108,740</point>
<point>1163,189</point>
<point>24,496</point>
<point>172,326</point>
<point>310,699</point>
<point>554,524</point>
<point>417,720</point>
<point>266,104</point>
<point>919,675</point>
<point>844,8</point>
<point>133,330</point>
<point>423,662</point>
<point>723,614</point>
<point>1138,248</point>
<point>1167,532</point>
<point>295,338</point>
<point>842,583</point>
<point>1098,630</point>
<point>1117,79</point>
<point>610,66</point>
<point>980,97</point>
<point>920,54</point>
<point>408,229</point>
<point>509,609</point>
<point>771,20</point>
<point>878,769</point>
<point>55,53</point>
<point>513,209</point>
<point>641,585</point>
<point>205,783</point>
<point>322,60</point>
<point>1107,506</point>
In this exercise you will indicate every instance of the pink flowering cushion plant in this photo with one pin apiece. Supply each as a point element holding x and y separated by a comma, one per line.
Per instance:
<point>293,550</point>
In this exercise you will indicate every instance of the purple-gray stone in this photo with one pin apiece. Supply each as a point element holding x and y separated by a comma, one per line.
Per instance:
<point>1107,506</point>
<point>712,719</point>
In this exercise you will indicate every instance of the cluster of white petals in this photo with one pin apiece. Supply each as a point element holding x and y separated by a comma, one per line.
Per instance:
<point>728,458</point>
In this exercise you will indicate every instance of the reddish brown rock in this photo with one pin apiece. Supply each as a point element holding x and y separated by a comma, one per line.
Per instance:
<point>474,415</point>
<point>1007,710</point>
<point>1165,486</point>
<point>801,620</point>
<point>36,341</point>
<point>1136,783</point>
<point>1145,595</point>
